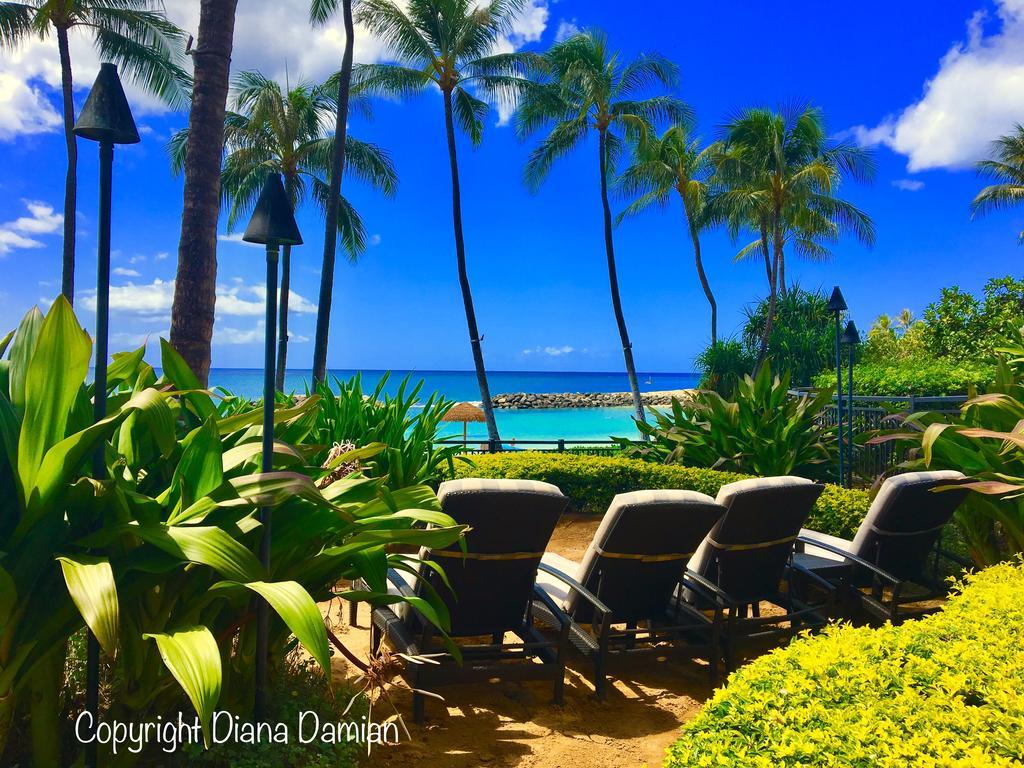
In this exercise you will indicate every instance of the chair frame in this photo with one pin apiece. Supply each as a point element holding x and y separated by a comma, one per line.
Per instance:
<point>603,638</point>
<point>480,661</point>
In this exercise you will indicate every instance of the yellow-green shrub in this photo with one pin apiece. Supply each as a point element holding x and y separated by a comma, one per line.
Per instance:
<point>592,481</point>
<point>947,690</point>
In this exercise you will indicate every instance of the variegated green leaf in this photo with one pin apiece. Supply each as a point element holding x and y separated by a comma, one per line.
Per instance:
<point>90,581</point>
<point>192,656</point>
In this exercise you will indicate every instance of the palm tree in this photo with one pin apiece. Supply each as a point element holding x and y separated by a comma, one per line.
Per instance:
<point>135,34</point>
<point>449,44</point>
<point>779,174</point>
<point>273,130</point>
<point>320,11</point>
<point>1007,167</point>
<point>195,287</point>
<point>676,163</point>
<point>585,87</point>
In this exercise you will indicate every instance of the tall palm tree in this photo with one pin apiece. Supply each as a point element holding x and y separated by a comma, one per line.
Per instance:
<point>320,12</point>
<point>585,87</point>
<point>195,287</point>
<point>779,174</point>
<point>676,163</point>
<point>135,34</point>
<point>273,130</point>
<point>1007,167</point>
<point>449,44</point>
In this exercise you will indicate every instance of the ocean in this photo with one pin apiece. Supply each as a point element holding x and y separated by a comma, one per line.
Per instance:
<point>546,424</point>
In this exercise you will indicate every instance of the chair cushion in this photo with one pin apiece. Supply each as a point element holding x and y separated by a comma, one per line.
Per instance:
<point>556,588</point>
<point>492,485</point>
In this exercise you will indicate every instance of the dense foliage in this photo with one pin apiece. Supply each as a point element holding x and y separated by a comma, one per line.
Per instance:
<point>929,377</point>
<point>762,431</point>
<point>723,365</point>
<point>986,441</point>
<point>943,691</point>
<point>157,553</point>
<point>406,427</point>
<point>592,481</point>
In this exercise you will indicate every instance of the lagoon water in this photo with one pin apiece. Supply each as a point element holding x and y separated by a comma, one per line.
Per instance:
<point>548,424</point>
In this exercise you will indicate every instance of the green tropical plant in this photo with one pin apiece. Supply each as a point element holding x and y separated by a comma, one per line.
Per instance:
<point>1006,167</point>
<point>407,427</point>
<point>723,365</point>
<point>272,130</point>
<point>802,336</point>
<point>159,559</point>
<point>676,163</point>
<point>449,45</point>
<point>779,175</point>
<point>962,326</point>
<point>762,431</point>
<point>986,442</point>
<point>135,34</point>
<point>585,87</point>
<point>924,377</point>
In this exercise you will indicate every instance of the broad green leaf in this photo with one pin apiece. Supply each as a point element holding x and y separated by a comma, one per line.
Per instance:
<point>206,545</point>
<point>262,490</point>
<point>8,597</point>
<point>65,347</point>
<point>176,370</point>
<point>192,656</point>
<point>90,580</point>
<point>21,352</point>
<point>5,342</point>
<point>199,471</point>
<point>254,417</point>
<point>298,611</point>
<point>235,457</point>
<point>125,367</point>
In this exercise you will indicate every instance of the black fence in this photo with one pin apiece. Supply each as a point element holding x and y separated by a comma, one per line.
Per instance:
<point>586,447</point>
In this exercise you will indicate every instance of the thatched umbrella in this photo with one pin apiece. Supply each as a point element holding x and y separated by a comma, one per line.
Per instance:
<point>464,412</point>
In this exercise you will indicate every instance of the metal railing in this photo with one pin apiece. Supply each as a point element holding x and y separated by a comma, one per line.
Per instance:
<point>557,446</point>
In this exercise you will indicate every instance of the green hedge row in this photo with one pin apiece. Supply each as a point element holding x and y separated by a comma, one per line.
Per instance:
<point>944,691</point>
<point>592,481</point>
<point>927,378</point>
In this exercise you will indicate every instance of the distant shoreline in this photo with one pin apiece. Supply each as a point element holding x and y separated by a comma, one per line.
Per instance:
<point>556,400</point>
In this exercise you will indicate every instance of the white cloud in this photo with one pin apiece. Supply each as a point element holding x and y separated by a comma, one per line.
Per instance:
<point>549,351</point>
<point>566,29</point>
<point>973,98</point>
<point>24,108</point>
<point>375,240</point>
<point>236,237</point>
<point>161,256</point>
<point>125,272</point>
<point>255,335</point>
<point>152,301</point>
<point>908,185</point>
<point>19,234</point>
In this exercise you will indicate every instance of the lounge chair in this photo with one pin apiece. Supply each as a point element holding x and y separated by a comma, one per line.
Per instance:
<point>621,593</point>
<point>894,561</point>
<point>492,592</point>
<point>746,558</point>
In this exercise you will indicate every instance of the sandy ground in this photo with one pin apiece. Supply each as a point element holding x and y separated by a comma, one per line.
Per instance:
<point>515,724</point>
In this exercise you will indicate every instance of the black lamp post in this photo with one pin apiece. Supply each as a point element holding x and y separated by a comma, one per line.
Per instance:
<point>106,118</point>
<point>851,338</point>
<point>273,225</point>
<point>837,305</point>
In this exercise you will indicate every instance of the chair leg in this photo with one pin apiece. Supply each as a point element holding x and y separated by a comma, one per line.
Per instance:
<point>418,708</point>
<point>353,612</point>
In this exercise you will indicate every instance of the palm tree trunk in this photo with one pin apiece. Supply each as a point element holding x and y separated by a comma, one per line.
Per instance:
<point>702,276</point>
<point>467,294</point>
<point>773,287</point>
<point>782,272</point>
<point>323,309</point>
<point>282,322</point>
<point>67,280</point>
<point>767,253</point>
<point>613,282</point>
<point>195,289</point>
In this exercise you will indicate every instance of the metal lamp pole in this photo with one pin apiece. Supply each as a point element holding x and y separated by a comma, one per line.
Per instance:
<point>106,118</point>
<point>851,338</point>
<point>273,225</point>
<point>837,305</point>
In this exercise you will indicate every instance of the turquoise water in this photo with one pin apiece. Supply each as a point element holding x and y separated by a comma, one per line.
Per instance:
<point>547,424</point>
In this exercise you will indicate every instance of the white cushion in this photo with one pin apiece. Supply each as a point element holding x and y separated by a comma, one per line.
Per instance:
<point>729,490</point>
<point>555,587</point>
<point>475,484</point>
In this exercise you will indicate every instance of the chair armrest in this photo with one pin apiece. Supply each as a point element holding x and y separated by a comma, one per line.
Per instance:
<point>807,573</point>
<point>569,581</point>
<point>558,613</point>
<point>711,590</point>
<point>851,557</point>
<point>399,582</point>
<point>963,562</point>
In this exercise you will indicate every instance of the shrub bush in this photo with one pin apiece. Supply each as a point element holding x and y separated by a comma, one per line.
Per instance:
<point>929,377</point>
<point>943,691</point>
<point>592,481</point>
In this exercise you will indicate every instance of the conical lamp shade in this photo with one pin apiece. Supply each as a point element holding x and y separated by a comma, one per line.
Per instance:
<point>106,115</point>
<point>273,221</point>
<point>837,303</point>
<point>851,335</point>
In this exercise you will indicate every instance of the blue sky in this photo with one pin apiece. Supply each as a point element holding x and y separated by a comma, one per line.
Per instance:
<point>927,84</point>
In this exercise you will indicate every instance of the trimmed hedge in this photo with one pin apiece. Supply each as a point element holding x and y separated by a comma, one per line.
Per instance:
<point>944,691</point>
<point>592,481</point>
<point>929,377</point>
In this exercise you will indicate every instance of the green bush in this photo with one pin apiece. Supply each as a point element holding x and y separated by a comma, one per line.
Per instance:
<point>928,377</point>
<point>592,481</point>
<point>723,365</point>
<point>943,691</point>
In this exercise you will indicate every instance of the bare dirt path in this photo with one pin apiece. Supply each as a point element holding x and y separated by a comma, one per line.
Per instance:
<point>515,724</point>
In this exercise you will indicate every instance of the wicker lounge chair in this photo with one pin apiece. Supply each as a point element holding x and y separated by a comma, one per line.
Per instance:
<point>621,595</point>
<point>895,560</point>
<point>746,560</point>
<point>493,592</point>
